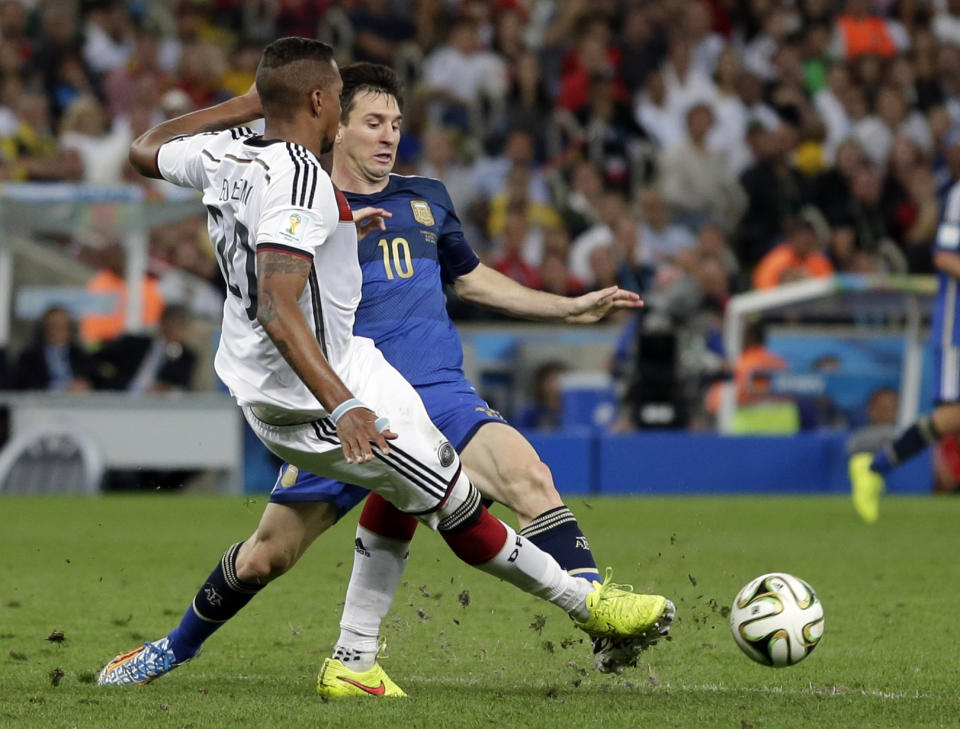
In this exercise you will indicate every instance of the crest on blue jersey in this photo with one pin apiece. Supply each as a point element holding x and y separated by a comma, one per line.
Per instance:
<point>422,212</point>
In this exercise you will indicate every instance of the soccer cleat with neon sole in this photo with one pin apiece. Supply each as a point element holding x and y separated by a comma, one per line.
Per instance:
<point>141,665</point>
<point>615,611</point>
<point>336,681</point>
<point>866,487</point>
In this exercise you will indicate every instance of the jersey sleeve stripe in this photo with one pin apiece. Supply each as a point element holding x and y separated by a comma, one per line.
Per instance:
<point>309,172</point>
<point>313,186</point>
<point>280,248</point>
<point>306,177</point>
<point>317,311</point>
<point>296,174</point>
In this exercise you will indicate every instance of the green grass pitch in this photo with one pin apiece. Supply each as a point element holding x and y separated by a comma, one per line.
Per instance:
<point>109,573</point>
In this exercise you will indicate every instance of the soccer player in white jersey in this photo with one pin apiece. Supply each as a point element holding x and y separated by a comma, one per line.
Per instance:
<point>868,470</point>
<point>286,244</point>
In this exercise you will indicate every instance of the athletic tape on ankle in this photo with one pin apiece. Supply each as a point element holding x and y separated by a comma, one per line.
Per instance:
<point>343,407</point>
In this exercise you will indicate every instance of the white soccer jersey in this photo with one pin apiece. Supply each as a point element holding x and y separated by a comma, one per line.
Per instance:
<point>271,195</point>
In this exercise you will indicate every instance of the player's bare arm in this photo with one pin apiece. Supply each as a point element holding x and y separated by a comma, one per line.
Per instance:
<point>281,279</point>
<point>231,113</point>
<point>489,288</point>
<point>947,262</point>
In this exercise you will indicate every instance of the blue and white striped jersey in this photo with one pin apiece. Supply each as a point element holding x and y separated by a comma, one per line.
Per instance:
<point>946,315</point>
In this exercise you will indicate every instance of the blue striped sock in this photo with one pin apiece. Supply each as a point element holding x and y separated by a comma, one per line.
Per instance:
<point>221,597</point>
<point>557,533</point>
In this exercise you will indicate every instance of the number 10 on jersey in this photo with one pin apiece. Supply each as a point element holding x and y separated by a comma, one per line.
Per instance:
<point>396,258</point>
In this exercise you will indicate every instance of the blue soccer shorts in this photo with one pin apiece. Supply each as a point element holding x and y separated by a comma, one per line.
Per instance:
<point>454,407</point>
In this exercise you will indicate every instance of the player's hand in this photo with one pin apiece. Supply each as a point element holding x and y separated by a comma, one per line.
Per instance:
<point>594,306</point>
<point>358,434</point>
<point>369,218</point>
<point>253,99</point>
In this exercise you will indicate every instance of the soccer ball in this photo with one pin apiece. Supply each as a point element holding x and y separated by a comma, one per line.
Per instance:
<point>777,619</point>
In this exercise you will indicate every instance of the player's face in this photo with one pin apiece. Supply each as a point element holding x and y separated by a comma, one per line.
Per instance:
<point>370,137</point>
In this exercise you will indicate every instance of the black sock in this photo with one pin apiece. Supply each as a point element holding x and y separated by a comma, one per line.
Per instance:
<point>557,533</point>
<point>221,597</point>
<point>912,441</point>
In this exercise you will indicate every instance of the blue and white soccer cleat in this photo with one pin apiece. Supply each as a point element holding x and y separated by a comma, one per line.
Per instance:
<point>141,665</point>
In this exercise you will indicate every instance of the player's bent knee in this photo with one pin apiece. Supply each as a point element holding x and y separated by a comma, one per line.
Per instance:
<point>539,479</point>
<point>530,490</point>
<point>265,561</point>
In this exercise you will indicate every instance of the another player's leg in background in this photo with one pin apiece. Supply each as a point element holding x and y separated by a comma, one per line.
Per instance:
<point>282,536</point>
<point>869,470</point>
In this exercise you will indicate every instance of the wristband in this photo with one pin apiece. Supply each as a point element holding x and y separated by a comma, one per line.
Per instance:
<point>340,409</point>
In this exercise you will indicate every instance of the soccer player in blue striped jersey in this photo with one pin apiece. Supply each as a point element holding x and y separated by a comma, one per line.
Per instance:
<point>867,470</point>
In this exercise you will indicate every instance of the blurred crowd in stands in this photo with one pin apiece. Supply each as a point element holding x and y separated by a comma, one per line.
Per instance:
<point>685,149</point>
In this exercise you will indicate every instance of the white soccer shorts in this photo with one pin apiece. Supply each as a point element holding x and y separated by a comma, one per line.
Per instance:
<point>420,473</point>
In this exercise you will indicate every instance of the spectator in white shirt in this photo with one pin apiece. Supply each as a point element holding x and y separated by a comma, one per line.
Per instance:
<point>109,32</point>
<point>739,102</point>
<point>759,52</point>
<point>612,208</point>
<point>829,105</point>
<point>705,45</point>
<point>458,73</point>
<point>946,23</point>
<point>686,84</point>
<point>103,150</point>
<point>662,122</point>
<point>696,181</point>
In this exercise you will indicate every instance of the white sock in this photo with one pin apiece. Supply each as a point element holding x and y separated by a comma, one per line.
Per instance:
<point>523,564</point>
<point>378,565</point>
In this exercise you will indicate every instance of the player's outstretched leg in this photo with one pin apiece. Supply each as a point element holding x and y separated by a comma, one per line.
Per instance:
<point>602,610</point>
<point>282,536</point>
<point>504,466</point>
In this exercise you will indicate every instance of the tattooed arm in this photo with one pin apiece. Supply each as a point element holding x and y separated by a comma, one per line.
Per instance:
<point>281,278</point>
<point>231,113</point>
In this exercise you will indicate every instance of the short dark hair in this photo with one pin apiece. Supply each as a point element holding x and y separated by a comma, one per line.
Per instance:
<point>281,92</point>
<point>370,77</point>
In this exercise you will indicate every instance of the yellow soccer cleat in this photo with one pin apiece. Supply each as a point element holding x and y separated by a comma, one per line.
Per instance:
<point>866,485</point>
<point>336,681</point>
<point>618,612</point>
